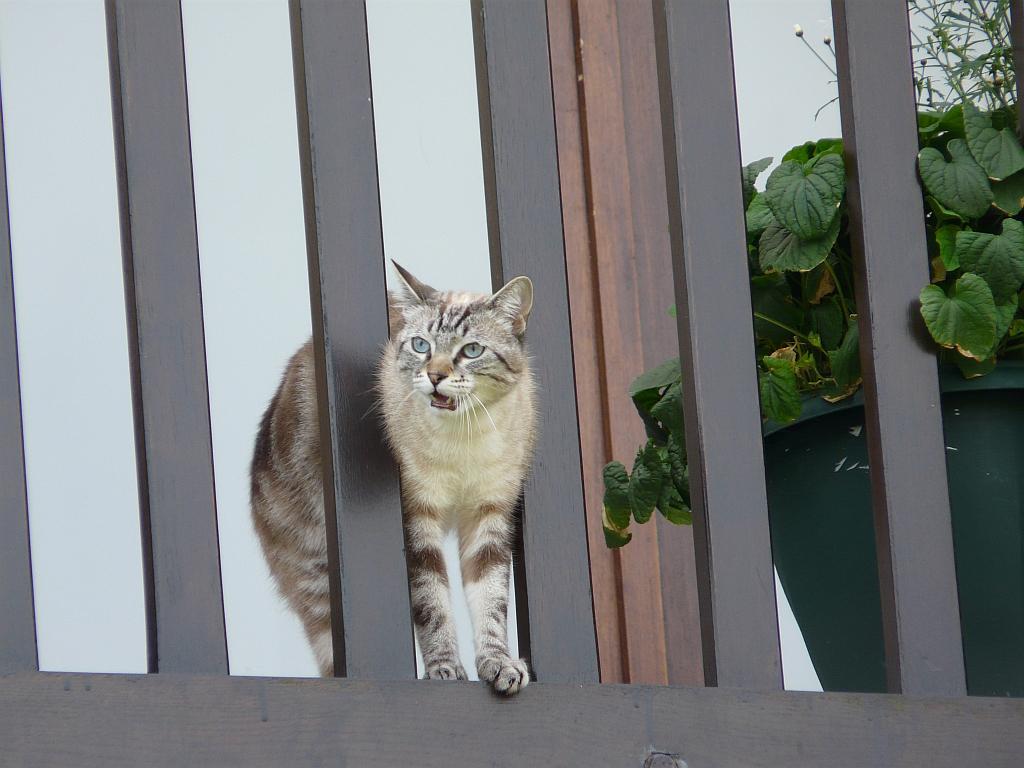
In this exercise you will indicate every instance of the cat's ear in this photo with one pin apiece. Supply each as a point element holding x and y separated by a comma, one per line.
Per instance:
<point>411,290</point>
<point>514,301</point>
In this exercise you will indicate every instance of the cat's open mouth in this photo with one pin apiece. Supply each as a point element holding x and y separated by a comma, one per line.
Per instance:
<point>437,400</point>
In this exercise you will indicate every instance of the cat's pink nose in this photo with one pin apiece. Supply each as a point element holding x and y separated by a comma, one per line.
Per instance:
<point>435,377</point>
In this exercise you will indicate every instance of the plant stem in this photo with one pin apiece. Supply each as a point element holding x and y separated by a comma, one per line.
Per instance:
<point>784,327</point>
<point>839,289</point>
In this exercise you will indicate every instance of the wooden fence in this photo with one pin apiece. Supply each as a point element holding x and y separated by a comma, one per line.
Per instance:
<point>188,710</point>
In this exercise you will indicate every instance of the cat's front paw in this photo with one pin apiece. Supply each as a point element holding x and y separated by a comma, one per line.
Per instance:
<point>505,674</point>
<point>445,670</point>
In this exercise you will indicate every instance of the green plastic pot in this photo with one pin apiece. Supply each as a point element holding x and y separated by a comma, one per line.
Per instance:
<point>823,538</point>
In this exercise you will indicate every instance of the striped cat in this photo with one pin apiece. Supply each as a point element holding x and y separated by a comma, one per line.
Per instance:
<point>457,399</point>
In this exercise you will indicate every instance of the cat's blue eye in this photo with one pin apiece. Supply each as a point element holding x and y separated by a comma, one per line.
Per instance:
<point>420,345</point>
<point>472,350</point>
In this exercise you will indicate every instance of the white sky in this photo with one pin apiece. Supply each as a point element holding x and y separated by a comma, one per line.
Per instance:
<point>78,426</point>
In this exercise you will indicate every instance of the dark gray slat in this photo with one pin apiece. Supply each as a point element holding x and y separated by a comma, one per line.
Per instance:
<point>167,349</point>
<point>112,720</point>
<point>525,229</point>
<point>736,585</point>
<point>17,611</point>
<point>1017,40</point>
<point>920,610</point>
<point>369,584</point>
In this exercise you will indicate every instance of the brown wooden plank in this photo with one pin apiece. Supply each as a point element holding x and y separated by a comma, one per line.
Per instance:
<point>653,295</point>
<point>622,334</point>
<point>906,450</point>
<point>185,609</point>
<point>108,721</point>
<point>525,228</point>
<point>369,585</point>
<point>586,335</point>
<point>17,611</point>
<point>723,422</point>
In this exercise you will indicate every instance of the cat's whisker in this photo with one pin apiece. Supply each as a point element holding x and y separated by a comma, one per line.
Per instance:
<point>477,398</point>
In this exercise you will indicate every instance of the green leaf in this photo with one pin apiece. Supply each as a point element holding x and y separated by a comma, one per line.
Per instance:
<point>672,505</point>
<point>780,399</point>
<point>845,364</point>
<point>780,250</point>
<point>1009,194</point>
<point>960,185</point>
<point>646,388</point>
<point>669,409</point>
<point>1016,329</point>
<point>615,538</point>
<point>964,319</point>
<point>945,236</point>
<point>971,368</point>
<point>801,153</point>
<point>828,147</point>
<point>953,121</point>
<point>771,297</point>
<point>656,378</point>
<point>1004,317</point>
<point>998,152</point>
<point>828,322</point>
<point>645,482</point>
<point>616,495</point>
<point>997,258</point>
<point>677,465</point>
<point>942,213</point>
<point>805,198</point>
<point>759,216</point>
<point>750,173</point>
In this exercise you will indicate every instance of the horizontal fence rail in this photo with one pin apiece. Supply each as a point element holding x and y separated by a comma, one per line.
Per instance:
<point>17,612</point>
<point>907,457</point>
<point>369,588</point>
<point>525,227</point>
<point>167,347</point>
<point>107,721</point>
<point>736,584</point>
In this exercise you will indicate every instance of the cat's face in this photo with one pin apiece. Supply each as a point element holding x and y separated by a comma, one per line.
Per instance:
<point>456,350</point>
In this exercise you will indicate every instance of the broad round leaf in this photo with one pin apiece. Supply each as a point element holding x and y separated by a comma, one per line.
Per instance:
<point>672,505</point>
<point>750,174</point>
<point>998,152</point>
<point>677,466</point>
<point>997,258</point>
<point>616,495</point>
<point>964,319</point>
<point>780,400</point>
<point>945,236</point>
<point>805,197</point>
<point>1009,194</point>
<point>645,482</point>
<point>780,250</point>
<point>669,409</point>
<point>959,185</point>
<point>759,216</point>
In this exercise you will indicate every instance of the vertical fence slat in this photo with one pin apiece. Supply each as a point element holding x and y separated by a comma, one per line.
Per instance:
<point>723,423</point>
<point>17,613</point>
<point>185,609</point>
<point>1017,41</point>
<point>525,226</point>
<point>920,611</point>
<point>369,587</point>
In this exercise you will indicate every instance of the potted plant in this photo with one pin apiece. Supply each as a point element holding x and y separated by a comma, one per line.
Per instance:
<point>971,166</point>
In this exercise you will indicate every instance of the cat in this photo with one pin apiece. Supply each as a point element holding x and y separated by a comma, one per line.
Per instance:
<point>457,396</point>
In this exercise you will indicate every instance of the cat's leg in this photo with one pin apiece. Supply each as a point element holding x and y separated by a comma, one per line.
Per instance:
<point>485,554</point>
<point>429,594</point>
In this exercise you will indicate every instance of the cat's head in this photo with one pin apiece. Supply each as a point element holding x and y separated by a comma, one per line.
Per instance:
<point>454,350</point>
